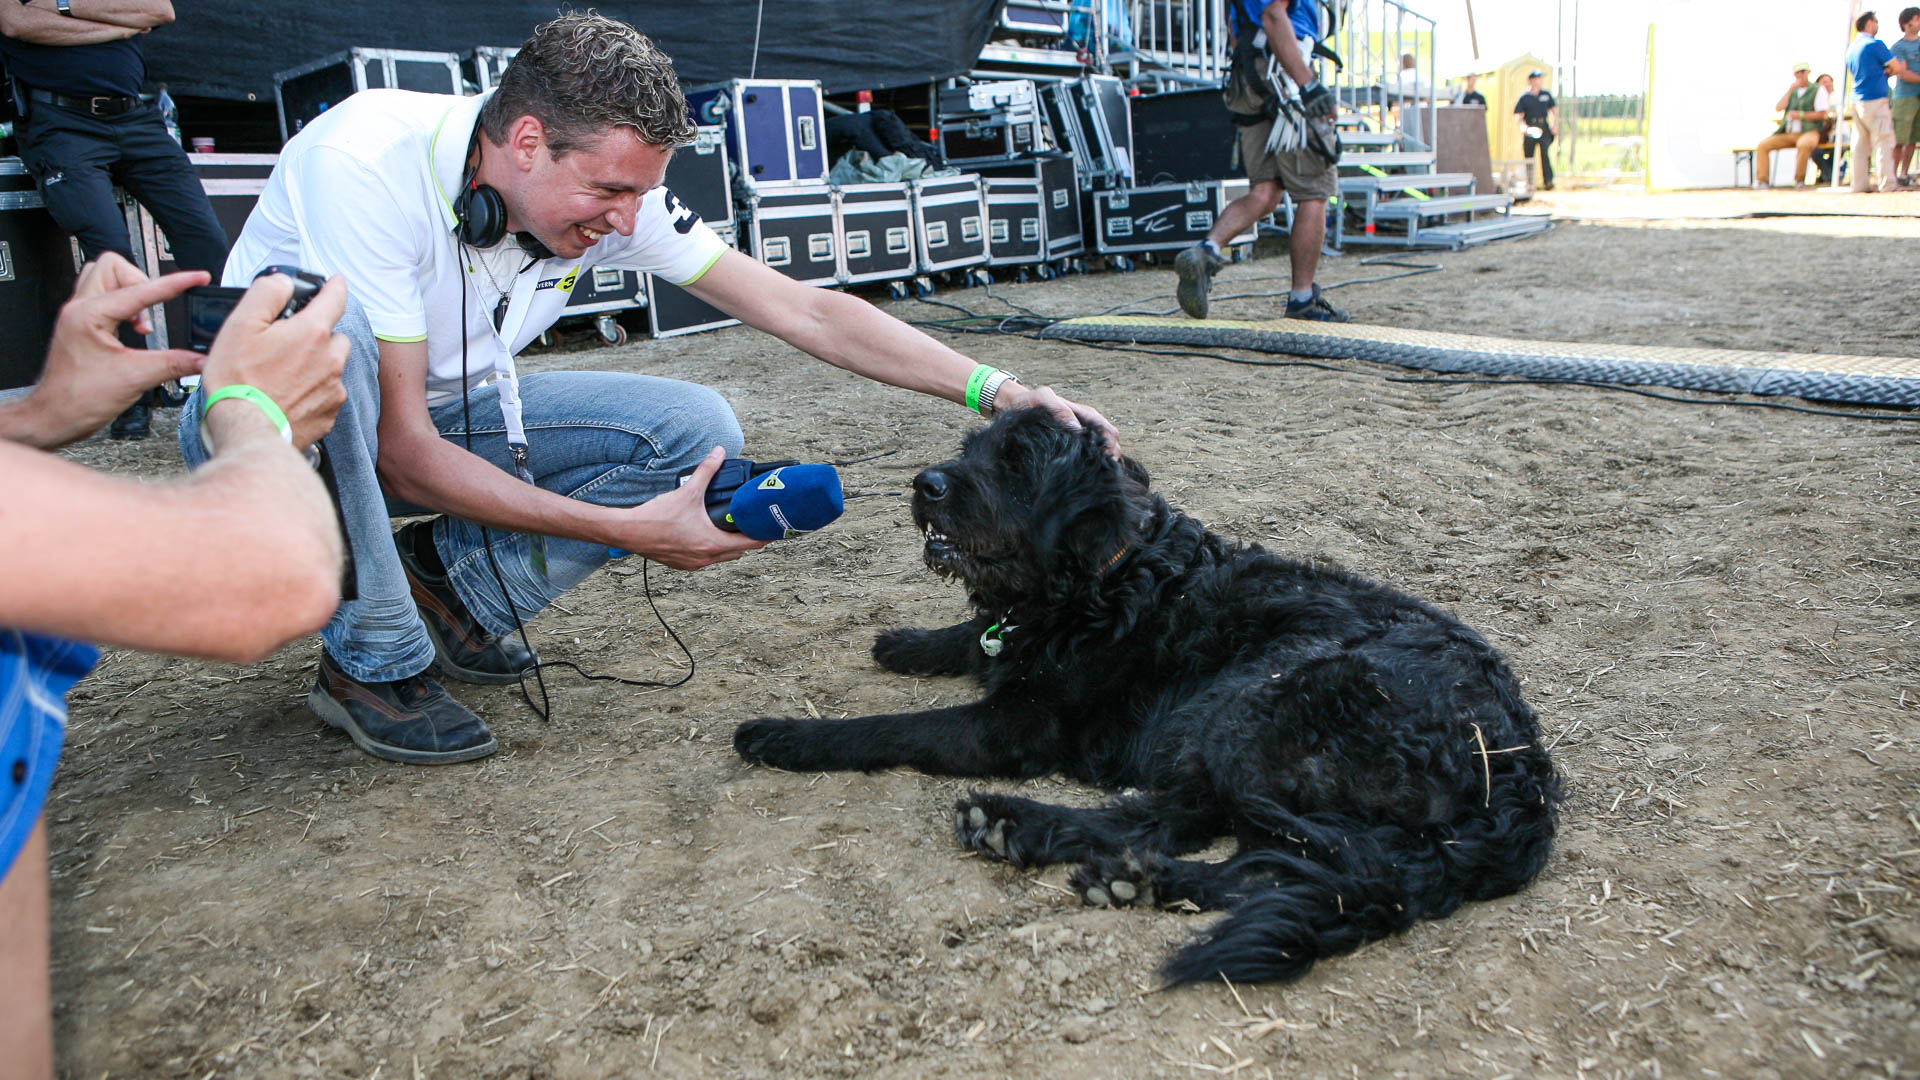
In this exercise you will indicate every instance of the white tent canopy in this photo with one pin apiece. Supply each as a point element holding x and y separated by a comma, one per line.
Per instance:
<point>1717,69</point>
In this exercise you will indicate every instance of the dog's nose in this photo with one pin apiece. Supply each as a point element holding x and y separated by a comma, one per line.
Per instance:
<point>932,485</point>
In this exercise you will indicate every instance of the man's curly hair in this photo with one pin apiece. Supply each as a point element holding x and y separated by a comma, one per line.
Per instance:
<point>583,74</point>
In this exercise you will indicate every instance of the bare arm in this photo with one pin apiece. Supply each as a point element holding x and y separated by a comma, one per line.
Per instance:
<point>40,24</point>
<point>229,563</point>
<point>1284,46</point>
<point>420,466</point>
<point>133,14</point>
<point>1781,105</point>
<point>851,334</point>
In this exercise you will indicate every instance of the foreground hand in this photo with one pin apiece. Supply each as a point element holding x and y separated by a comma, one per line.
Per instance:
<point>90,376</point>
<point>296,362</point>
<point>673,529</point>
<point>1015,395</point>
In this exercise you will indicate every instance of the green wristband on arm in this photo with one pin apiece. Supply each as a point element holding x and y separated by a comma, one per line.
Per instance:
<point>243,392</point>
<point>981,373</point>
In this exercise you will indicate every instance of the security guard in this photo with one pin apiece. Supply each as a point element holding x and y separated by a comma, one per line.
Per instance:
<point>77,70</point>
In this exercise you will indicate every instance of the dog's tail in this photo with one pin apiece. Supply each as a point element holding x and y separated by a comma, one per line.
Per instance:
<point>1347,884</point>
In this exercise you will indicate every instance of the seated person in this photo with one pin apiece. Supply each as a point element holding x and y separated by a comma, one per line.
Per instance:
<point>1823,154</point>
<point>86,547</point>
<point>1803,109</point>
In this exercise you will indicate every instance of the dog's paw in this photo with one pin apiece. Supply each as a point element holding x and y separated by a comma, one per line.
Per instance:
<point>770,741</point>
<point>1112,881</point>
<point>913,651</point>
<point>987,824</point>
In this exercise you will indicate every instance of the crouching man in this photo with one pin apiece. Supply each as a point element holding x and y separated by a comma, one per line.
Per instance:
<point>461,224</point>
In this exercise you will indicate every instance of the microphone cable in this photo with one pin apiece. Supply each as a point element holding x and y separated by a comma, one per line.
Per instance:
<point>544,709</point>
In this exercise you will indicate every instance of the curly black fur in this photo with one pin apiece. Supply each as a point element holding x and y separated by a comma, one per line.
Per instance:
<point>1369,752</point>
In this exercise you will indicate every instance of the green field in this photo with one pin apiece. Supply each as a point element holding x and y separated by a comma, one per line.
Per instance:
<point>1582,150</point>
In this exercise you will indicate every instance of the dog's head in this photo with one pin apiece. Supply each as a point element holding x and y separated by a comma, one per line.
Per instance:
<point>1031,510</point>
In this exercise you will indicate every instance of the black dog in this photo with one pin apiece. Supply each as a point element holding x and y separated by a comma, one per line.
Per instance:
<point>1369,752</point>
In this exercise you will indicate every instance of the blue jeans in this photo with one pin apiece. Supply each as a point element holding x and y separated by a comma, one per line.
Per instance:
<point>602,437</point>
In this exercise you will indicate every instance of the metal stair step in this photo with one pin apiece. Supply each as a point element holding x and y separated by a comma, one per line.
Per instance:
<point>1404,181</point>
<point>1450,204</point>
<point>1389,159</point>
<point>1369,138</point>
<point>1479,232</point>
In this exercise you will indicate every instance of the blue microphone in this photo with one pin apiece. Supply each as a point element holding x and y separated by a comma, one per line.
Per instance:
<point>769,500</point>
<point>783,502</point>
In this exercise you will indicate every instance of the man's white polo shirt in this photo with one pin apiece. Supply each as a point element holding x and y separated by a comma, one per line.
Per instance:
<point>366,190</point>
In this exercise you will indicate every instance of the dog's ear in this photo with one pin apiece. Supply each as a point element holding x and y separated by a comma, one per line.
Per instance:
<point>1094,498</point>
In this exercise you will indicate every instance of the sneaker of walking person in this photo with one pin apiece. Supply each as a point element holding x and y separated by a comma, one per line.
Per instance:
<point>1195,268</point>
<point>1312,305</point>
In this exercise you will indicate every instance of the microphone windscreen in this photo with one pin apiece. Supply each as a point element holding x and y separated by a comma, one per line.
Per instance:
<point>787,502</point>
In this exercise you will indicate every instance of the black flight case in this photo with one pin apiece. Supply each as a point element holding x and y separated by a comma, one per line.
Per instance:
<point>1055,183</point>
<point>950,231</point>
<point>794,229</point>
<point>38,264</point>
<point>305,92</point>
<point>876,228</point>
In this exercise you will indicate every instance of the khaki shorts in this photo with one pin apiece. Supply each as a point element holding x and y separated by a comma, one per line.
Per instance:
<point>1906,120</point>
<point>1303,174</point>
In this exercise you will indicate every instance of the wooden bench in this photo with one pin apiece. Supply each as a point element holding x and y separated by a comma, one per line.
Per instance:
<point>1744,154</point>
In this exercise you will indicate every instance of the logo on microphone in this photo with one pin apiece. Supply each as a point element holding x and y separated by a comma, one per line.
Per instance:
<point>774,509</point>
<point>772,483</point>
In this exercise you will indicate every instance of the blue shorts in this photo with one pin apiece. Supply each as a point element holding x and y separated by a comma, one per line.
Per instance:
<point>35,674</point>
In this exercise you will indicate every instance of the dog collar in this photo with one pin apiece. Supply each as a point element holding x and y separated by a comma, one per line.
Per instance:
<point>1117,556</point>
<point>990,642</point>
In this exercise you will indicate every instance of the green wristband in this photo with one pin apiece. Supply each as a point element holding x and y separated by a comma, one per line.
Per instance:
<point>259,399</point>
<point>981,373</point>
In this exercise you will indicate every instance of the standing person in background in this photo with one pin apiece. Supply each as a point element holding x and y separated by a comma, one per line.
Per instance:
<point>1539,113</point>
<point>1471,94</point>
<point>77,70</point>
<point>1905,95</point>
<point>1871,62</point>
<point>1288,28</point>
<point>1803,116</point>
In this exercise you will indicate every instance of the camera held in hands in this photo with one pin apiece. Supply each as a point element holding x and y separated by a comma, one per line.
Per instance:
<point>209,305</point>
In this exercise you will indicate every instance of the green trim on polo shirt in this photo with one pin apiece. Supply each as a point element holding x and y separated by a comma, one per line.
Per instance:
<point>400,340</point>
<point>702,272</point>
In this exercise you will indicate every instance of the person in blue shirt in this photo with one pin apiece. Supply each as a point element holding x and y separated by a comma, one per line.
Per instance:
<point>1906,94</point>
<point>1871,62</point>
<point>1290,28</point>
<point>250,545</point>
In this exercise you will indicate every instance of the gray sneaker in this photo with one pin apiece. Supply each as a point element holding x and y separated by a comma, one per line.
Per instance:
<point>1195,267</point>
<point>1315,308</point>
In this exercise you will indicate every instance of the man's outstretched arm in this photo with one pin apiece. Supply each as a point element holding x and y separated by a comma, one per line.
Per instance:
<point>850,333</point>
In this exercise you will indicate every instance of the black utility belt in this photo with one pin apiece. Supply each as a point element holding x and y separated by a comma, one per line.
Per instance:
<point>97,105</point>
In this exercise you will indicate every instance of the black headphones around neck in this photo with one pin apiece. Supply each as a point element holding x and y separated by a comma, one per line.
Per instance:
<point>479,213</point>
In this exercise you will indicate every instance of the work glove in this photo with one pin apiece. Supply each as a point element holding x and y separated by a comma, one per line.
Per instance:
<point>1317,101</point>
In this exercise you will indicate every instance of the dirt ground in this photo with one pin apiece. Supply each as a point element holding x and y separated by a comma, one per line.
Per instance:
<point>1714,610</point>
